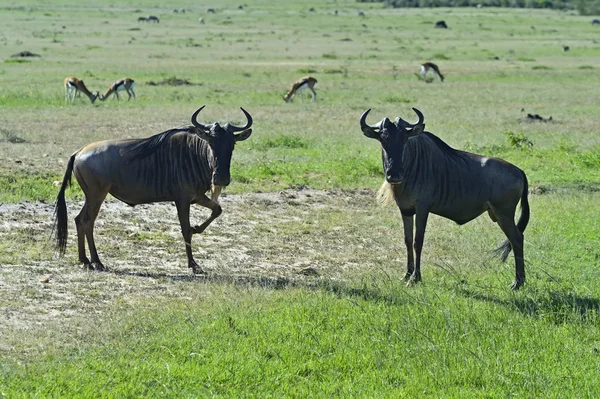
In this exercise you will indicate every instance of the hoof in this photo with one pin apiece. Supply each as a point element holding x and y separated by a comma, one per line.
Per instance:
<point>412,281</point>
<point>195,268</point>
<point>516,285</point>
<point>407,276</point>
<point>99,267</point>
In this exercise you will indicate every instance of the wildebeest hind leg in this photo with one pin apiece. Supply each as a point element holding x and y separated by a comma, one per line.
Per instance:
<point>81,237</point>
<point>87,217</point>
<point>407,222</point>
<point>515,237</point>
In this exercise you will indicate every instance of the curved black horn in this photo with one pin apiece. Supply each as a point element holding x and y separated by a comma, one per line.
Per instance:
<point>234,129</point>
<point>195,122</point>
<point>363,121</point>
<point>421,119</point>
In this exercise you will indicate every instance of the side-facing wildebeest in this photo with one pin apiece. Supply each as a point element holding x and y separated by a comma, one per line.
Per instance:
<point>179,165</point>
<point>424,175</point>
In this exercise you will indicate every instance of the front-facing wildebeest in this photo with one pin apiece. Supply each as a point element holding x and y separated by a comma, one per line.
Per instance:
<point>424,175</point>
<point>179,165</point>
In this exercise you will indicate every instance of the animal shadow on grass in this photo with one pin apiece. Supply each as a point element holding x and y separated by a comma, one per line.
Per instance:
<point>559,306</point>
<point>369,292</point>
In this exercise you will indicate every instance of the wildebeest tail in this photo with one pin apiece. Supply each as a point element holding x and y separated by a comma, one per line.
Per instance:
<point>60,210</point>
<point>505,248</point>
<point>385,194</point>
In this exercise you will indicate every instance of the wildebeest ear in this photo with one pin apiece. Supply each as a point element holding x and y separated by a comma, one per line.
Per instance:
<point>370,133</point>
<point>243,135</point>
<point>204,135</point>
<point>416,130</point>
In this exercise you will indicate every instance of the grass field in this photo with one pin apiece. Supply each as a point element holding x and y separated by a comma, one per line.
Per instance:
<point>303,296</point>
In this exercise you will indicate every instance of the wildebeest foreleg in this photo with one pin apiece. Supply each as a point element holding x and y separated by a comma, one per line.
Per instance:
<point>183,212</point>
<point>421,223</point>
<point>407,222</point>
<point>216,212</point>
<point>506,222</point>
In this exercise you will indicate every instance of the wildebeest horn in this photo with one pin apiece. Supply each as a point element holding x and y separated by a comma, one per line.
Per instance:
<point>196,123</point>
<point>234,128</point>
<point>363,121</point>
<point>421,119</point>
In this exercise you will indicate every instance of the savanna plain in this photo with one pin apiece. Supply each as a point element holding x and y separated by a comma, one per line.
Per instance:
<point>303,295</point>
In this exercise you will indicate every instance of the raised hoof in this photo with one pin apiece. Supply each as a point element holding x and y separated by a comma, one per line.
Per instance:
<point>198,229</point>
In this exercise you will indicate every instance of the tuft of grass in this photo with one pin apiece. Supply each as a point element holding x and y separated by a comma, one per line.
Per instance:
<point>16,61</point>
<point>285,141</point>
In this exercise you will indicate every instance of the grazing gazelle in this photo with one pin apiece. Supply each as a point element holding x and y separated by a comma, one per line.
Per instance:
<point>74,87</point>
<point>430,66</point>
<point>307,82</point>
<point>126,84</point>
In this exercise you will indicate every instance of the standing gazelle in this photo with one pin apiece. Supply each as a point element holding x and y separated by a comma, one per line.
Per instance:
<point>430,66</point>
<point>307,82</point>
<point>126,84</point>
<point>74,87</point>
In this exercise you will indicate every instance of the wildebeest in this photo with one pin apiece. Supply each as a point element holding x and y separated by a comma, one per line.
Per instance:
<point>142,19</point>
<point>441,24</point>
<point>179,165</point>
<point>595,21</point>
<point>424,175</point>
<point>153,19</point>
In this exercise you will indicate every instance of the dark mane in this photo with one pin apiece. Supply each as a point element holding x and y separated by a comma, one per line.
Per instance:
<point>440,144</point>
<point>148,146</point>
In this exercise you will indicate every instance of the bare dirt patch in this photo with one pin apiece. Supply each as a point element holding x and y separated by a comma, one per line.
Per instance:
<point>290,238</point>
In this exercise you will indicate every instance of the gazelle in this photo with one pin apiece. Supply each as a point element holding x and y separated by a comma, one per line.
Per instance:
<point>307,82</point>
<point>126,84</point>
<point>430,66</point>
<point>74,87</point>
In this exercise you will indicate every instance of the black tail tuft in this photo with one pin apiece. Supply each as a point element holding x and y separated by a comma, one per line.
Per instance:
<point>60,211</point>
<point>503,250</point>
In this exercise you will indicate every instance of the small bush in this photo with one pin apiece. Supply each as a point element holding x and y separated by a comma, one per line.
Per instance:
<point>518,140</point>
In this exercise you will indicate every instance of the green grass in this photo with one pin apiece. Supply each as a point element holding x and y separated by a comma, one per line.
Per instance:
<point>255,327</point>
<point>335,341</point>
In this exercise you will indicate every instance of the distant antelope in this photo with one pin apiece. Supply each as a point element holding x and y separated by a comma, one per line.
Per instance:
<point>74,87</point>
<point>430,66</point>
<point>152,18</point>
<point>126,84</point>
<point>307,82</point>
<point>142,19</point>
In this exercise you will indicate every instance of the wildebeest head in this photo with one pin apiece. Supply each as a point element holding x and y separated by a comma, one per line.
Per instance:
<point>393,137</point>
<point>221,140</point>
